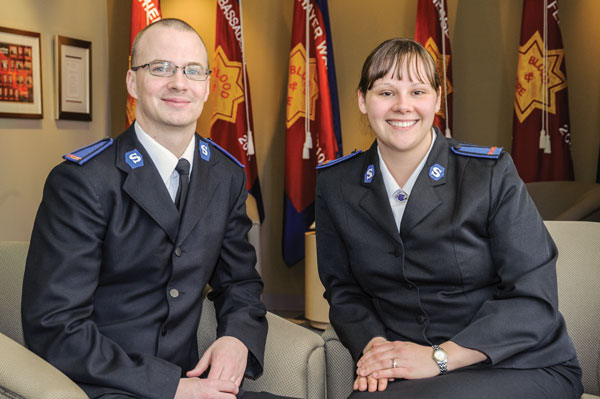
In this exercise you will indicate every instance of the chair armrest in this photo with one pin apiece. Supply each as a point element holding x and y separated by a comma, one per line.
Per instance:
<point>340,366</point>
<point>23,374</point>
<point>294,357</point>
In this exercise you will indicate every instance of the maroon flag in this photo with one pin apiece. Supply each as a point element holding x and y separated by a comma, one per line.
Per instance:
<point>313,133</point>
<point>143,13</point>
<point>541,129</point>
<point>231,123</point>
<point>432,26</point>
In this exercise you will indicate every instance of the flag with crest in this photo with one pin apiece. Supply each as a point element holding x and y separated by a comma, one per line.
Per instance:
<point>313,133</point>
<point>541,128</point>
<point>143,13</point>
<point>231,124</point>
<point>431,31</point>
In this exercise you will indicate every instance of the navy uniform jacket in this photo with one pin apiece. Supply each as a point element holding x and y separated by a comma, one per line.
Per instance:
<point>113,285</point>
<point>472,263</point>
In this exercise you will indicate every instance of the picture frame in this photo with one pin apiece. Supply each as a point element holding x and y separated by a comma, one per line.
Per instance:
<point>20,74</point>
<point>73,69</point>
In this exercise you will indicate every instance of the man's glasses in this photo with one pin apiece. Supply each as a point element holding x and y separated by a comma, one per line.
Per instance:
<point>166,69</point>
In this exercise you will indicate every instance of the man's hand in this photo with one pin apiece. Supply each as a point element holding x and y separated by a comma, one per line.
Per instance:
<point>227,358</point>
<point>196,388</point>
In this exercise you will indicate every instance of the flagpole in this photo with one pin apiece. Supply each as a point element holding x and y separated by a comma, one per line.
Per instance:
<point>307,136</point>
<point>442,26</point>
<point>544,133</point>
<point>249,131</point>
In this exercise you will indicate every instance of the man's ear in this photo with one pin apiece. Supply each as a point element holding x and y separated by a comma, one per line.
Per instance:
<point>207,88</point>
<point>362,105</point>
<point>130,82</point>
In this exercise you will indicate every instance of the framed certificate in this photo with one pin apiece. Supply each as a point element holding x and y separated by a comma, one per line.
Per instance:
<point>73,69</point>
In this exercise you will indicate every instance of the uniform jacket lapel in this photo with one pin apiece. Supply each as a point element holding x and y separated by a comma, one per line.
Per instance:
<point>201,189</point>
<point>145,186</point>
<point>424,198</point>
<point>375,200</point>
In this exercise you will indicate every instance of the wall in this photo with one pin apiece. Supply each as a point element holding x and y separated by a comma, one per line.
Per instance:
<point>30,148</point>
<point>484,37</point>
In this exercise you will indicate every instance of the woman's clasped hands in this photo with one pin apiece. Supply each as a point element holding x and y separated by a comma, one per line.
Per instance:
<point>384,360</point>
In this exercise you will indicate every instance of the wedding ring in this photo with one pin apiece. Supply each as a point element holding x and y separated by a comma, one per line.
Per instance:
<point>394,364</point>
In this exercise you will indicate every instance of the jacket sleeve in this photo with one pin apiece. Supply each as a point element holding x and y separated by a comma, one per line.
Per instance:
<point>237,286</point>
<point>62,272</point>
<point>351,311</point>
<point>523,313</point>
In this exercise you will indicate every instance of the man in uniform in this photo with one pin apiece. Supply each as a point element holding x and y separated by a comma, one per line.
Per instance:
<point>129,233</point>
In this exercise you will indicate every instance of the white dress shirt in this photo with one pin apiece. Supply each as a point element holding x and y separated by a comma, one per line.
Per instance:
<point>394,190</point>
<point>164,160</point>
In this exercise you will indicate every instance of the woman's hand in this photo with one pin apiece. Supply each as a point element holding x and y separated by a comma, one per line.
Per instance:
<point>412,361</point>
<point>364,383</point>
<point>369,383</point>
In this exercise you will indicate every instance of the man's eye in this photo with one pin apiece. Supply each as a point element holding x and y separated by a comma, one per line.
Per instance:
<point>160,68</point>
<point>193,71</point>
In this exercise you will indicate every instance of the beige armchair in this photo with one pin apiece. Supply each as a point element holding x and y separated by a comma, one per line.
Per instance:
<point>578,271</point>
<point>566,200</point>
<point>294,357</point>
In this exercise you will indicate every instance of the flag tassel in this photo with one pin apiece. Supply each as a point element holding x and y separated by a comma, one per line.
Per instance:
<point>308,144</point>
<point>250,142</point>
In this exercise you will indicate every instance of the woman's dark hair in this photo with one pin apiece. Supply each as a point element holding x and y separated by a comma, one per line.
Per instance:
<point>398,53</point>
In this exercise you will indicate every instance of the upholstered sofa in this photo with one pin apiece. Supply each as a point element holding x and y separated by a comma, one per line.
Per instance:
<point>578,272</point>
<point>294,358</point>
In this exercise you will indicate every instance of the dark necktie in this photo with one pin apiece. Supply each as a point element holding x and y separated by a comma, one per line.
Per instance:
<point>183,168</point>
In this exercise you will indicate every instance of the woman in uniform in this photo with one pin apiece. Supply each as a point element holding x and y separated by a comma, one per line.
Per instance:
<point>439,272</point>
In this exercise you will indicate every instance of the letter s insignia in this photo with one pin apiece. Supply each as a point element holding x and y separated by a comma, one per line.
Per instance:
<point>134,159</point>
<point>205,152</point>
<point>369,174</point>
<point>436,172</point>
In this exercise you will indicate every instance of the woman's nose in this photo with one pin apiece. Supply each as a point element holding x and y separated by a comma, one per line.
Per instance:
<point>401,103</point>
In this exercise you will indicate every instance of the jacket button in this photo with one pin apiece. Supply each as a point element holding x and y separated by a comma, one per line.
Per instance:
<point>163,332</point>
<point>421,319</point>
<point>398,252</point>
<point>178,251</point>
<point>409,286</point>
<point>174,293</point>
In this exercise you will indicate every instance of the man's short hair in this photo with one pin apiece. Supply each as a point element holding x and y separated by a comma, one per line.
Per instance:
<point>174,23</point>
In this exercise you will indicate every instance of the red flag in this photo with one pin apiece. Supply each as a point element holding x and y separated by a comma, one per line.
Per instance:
<point>313,140</point>
<point>432,20</point>
<point>143,13</point>
<point>231,123</point>
<point>541,129</point>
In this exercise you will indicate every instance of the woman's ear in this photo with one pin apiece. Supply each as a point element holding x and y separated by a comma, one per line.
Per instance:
<point>439,99</point>
<point>362,102</point>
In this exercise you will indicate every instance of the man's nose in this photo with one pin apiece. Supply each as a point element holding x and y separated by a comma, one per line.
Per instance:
<point>178,80</point>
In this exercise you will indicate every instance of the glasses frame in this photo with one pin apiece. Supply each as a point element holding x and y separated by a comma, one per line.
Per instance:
<point>183,69</point>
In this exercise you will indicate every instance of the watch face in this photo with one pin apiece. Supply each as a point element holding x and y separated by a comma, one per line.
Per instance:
<point>440,355</point>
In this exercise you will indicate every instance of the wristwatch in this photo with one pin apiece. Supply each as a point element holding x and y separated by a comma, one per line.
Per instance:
<point>441,358</point>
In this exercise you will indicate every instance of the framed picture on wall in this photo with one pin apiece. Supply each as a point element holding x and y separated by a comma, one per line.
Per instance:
<point>73,78</point>
<point>20,74</point>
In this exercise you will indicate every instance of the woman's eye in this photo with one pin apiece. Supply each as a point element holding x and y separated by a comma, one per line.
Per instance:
<point>385,93</point>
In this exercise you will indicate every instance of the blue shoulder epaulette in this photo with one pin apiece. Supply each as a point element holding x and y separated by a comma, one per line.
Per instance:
<point>84,154</point>
<point>476,151</point>
<point>327,164</point>
<point>224,151</point>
